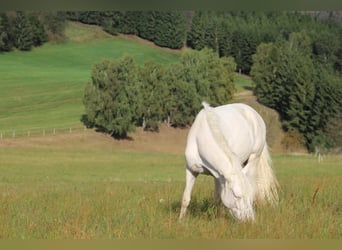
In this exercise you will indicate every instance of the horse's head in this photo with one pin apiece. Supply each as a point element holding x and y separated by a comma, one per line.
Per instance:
<point>238,197</point>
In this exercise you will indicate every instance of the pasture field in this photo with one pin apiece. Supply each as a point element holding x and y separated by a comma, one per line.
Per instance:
<point>43,88</point>
<point>90,186</point>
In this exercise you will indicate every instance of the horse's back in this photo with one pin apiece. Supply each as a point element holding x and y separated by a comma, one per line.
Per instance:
<point>242,127</point>
<point>239,116</point>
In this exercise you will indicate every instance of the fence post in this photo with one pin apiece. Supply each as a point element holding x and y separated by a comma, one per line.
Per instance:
<point>13,135</point>
<point>54,131</point>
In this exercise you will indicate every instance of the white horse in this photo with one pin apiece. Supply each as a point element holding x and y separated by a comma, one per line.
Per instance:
<point>229,143</point>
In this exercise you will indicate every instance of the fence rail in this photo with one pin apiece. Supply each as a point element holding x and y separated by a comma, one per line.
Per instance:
<point>38,132</point>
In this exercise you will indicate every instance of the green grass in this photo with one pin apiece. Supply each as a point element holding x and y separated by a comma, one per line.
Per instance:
<point>44,88</point>
<point>243,82</point>
<point>87,192</point>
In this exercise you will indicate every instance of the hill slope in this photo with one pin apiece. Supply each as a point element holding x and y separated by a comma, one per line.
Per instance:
<point>44,88</point>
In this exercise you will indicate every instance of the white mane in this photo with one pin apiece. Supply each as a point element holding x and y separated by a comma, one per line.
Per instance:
<point>213,122</point>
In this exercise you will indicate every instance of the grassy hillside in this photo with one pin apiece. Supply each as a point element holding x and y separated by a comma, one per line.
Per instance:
<point>43,88</point>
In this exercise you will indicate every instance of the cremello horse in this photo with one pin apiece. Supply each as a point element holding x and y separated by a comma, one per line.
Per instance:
<point>229,143</point>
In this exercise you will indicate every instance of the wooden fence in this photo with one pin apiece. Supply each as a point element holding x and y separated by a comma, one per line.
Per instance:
<point>38,132</point>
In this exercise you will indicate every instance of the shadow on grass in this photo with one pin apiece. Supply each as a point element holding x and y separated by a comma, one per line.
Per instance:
<point>201,209</point>
<point>123,136</point>
<point>249,88</point>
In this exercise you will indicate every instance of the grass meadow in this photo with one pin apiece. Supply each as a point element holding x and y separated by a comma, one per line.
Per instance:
<point>76,188</point>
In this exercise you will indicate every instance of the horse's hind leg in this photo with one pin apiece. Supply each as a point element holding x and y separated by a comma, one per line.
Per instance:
<point>190,181</point>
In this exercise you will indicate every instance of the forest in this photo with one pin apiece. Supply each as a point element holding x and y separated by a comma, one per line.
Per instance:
<point>295,60</point>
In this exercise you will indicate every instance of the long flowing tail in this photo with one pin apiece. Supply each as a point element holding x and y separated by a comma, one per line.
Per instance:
<point>267,184</point>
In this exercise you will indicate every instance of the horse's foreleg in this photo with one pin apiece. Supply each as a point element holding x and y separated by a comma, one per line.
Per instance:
<point>190,181</point>
<point>217,196</point>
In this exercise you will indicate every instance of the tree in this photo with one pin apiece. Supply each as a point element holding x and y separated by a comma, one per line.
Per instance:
<point>146,25</point>
<point>298,78</point>
<point>225,38</point>
<point>211,76</point>
<point>128,22</point>
<point>22,32</point>
<point>154,92</point>
<point>264,72</point>
<point>325,113</point>
<point>325,46</point>
<point>5,33</point>
<point>38,31</point>
<point>170,29</point>
<point>90,17</point>
<point>54,23</point>
<point>244,44</point>
<point>182,102</point>
<point>222,87</point>
<point>112,98</point>
<point>204,31</point>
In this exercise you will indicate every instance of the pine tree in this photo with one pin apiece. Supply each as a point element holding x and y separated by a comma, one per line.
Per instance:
<point>195,37</point>
<point>128,22</point>
<point>299,84</point>
<point>225,39</point>
<point>54,23</point>
<point>325,111</point>
<point>170,29</point>
<point>38,32</point>
<point>325,47</point>
<point>22,32</point>
<point>205,31</point>
<point>265,73</point>
<point>5,33</point>
<point>90,17</point>
<point>146,25</point>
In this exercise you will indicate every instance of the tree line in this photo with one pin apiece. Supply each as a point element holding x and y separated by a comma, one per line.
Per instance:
<point>238,34</point>
<point>123,94</point>
<point>25,30</point>
<point>164,28</point>
<point>229,33</point>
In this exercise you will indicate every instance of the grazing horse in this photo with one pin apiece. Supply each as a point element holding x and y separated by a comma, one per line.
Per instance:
<point>229,143</point>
